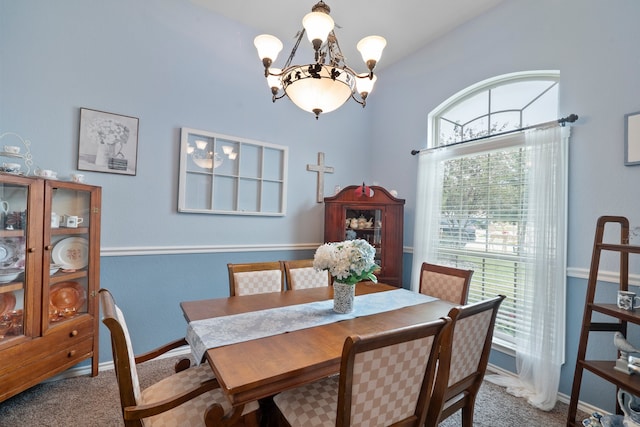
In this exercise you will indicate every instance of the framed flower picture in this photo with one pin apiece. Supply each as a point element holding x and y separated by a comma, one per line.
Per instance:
<point>107,142</point>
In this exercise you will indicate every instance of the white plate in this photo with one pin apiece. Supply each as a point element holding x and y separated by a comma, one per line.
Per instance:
<point>6,251</point>
<point>71,253</point>
<point>12,252</point>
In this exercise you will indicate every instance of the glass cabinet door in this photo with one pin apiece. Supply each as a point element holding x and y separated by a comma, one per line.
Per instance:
<point>14,293</point>
<point>365,224</point>
<point>66,271</point>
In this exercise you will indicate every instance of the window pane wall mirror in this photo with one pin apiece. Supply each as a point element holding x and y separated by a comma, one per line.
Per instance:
<point>222,174</point>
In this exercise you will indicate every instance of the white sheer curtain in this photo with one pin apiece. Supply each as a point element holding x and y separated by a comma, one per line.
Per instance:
<point>540,343</point>
<point>428,200</point>
<point>540,337</point>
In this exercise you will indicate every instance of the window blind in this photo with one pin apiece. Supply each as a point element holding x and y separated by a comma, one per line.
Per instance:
<point>483,225</point>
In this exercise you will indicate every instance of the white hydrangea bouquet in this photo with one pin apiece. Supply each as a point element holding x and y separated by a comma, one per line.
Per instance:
<point>348,262</point>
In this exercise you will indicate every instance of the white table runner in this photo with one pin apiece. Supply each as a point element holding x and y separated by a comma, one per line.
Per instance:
<point>218,331</point>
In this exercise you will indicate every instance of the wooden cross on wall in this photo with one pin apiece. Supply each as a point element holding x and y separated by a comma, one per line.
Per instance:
<point>321,169</point>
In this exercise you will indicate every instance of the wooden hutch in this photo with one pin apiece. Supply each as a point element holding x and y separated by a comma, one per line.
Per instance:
<point>49,276</point>
<point>377,218</point>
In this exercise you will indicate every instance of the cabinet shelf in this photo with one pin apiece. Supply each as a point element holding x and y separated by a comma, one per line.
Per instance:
<point>11,233</point>
<point>613,311</point>
<point>65,230</point>
<point>62,276</point>
<point>604,369</point>
<point>11,286</point>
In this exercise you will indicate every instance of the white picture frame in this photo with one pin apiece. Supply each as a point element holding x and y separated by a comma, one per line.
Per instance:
<point>632,139</point>
<point>107,142</point>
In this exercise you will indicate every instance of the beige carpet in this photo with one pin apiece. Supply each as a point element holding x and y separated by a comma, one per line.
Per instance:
<point>87,401</point>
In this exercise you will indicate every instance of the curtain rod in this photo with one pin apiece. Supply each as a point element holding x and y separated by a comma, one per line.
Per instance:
<point>570,118</point>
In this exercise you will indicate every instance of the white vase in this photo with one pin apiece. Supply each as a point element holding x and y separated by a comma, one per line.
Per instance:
<point>343,296</point>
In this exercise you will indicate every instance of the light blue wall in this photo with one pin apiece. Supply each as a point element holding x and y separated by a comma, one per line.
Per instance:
<point>173,64</point>
<point>593,44</point>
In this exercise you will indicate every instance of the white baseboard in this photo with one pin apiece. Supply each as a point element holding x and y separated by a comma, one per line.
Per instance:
<point>108,366</point>
<point>589,409</point>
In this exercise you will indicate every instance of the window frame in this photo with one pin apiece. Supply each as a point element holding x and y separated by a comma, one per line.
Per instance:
<point>433,118</point>
<point>254,185</point>
<point>502,341</point>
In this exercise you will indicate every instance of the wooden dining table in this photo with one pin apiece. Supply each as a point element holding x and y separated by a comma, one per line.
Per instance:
<point>259,368</point>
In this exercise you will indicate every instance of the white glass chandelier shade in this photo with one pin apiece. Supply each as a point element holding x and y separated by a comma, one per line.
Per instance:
<point>364,84</point>
<point>317,25</point>
<point>268,46</point>
<point>274,78</point>
<point>371,48</point>
<point>317,95</point>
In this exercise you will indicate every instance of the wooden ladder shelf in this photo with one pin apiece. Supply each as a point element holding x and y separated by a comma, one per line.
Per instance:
<point>605,368</point>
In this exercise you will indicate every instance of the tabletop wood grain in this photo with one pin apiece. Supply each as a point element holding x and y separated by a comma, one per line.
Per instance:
<point>260,368</point>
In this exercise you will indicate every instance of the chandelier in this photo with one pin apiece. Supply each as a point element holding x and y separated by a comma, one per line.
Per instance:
<point>329,82</point>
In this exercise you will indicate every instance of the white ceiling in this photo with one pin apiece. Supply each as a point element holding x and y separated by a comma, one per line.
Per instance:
<point>406,24</point>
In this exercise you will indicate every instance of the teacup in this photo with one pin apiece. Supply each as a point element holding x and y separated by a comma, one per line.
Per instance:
<point>628,300</point>
<point>77,177</point>
<point>11,167</point>
<point>55,220</point>
<point>71,221</point>
<point>12,149</point>
<point>46,173</point>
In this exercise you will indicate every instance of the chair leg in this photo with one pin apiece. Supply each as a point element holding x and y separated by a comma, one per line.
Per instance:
<point>181,365</point>
<point>467,411</point>
<point>215,417</point>
<point>268,413</point>
<point>251,419</point>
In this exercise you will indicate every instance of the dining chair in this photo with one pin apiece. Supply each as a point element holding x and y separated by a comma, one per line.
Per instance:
<point>301,274</point>
<point>255,278</point>
<point>186,398</point>
<point>385,379</point>
<point>463,359</point>
<point>446,283</point>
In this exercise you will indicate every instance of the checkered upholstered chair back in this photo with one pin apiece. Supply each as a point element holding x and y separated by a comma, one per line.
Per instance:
<point>300,274</point>
<point>463,360</point>
<point>256,278</point>
<point>160,404</point>
<point>385,379</point>
<point>445,283</point>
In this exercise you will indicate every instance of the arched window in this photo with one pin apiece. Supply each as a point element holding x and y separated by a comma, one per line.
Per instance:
<point>497,205</point>
<point>496,105</point>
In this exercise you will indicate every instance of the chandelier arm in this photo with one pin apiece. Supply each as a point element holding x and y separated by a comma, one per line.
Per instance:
<point>293,51</point>
<point>335,58</point>
<point>349,70</point>
<point>363,102</point>
<point>274,98</point>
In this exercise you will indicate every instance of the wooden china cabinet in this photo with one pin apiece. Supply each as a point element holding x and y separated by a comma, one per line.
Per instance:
<point>377,218</point>
<point>49,277</point>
